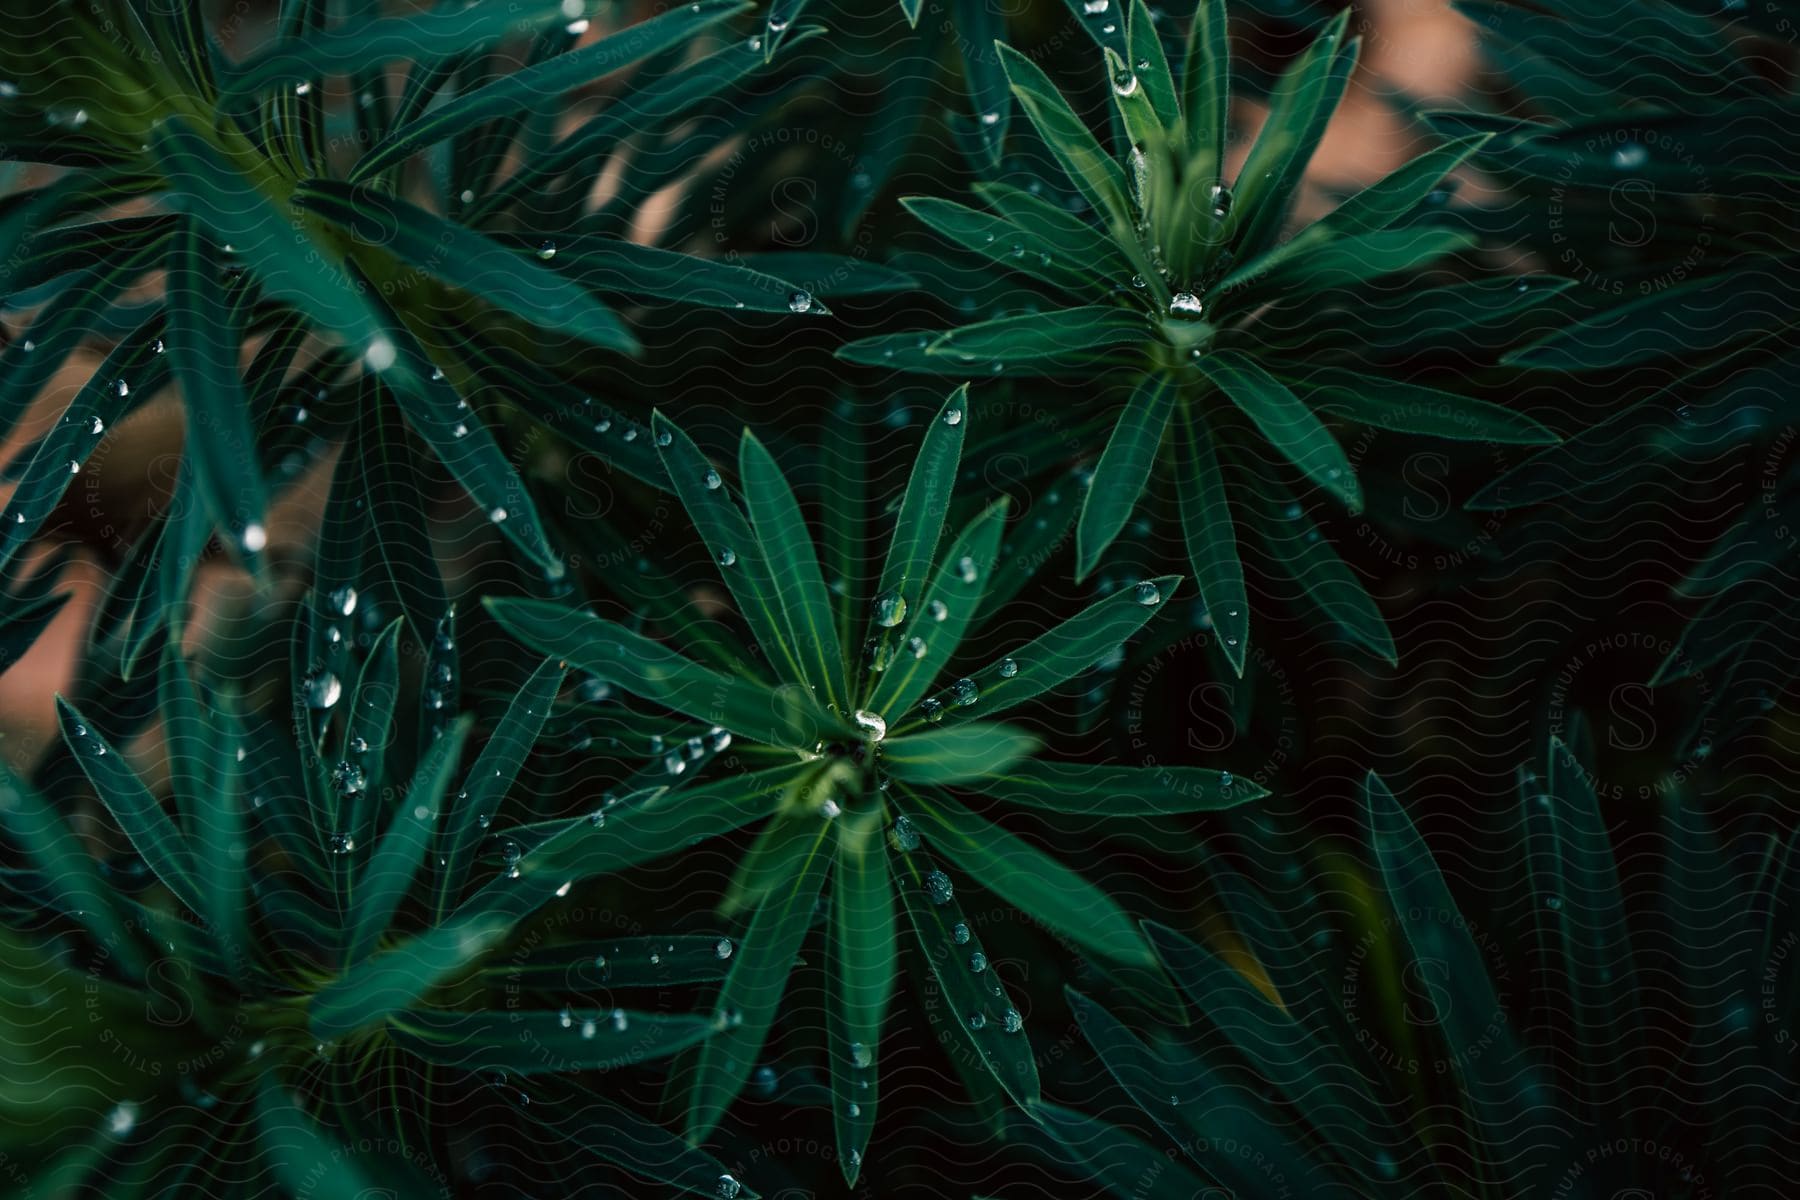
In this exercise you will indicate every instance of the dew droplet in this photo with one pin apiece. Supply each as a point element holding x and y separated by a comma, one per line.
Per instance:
<point>1147,594</point>
<point>959,933</point>
<point>1185,304</point>
<point>965,692</point>
<point>727,556</point>
<point>723,948</point>
<point>1008,668</point>
<point>1011,1021</point>
<point>323,689</point>
<point>890,608</point>
<point>938,885</point>
<point>799,302</point>
<point>872,724</point>
<point>953,416</point>
<point>902,835</point>
<point>712,481</point>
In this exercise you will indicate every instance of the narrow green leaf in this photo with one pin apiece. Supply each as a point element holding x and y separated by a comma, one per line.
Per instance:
<point>1061,653</point>
<point>656,104</point>
<point>204,351</point>
<point>977,1002</point>
<point>1402,190</point>
<point>137,812</point>
<point>844,481</point>
<point>935,628</point>
<point>468,260</point>
<point>537,85</point>
<point>978,27</point>
<point>1317,262</point>
<point>1015,247</point>
<point>1088,789</point>
<point>1288,424</point>
<point>391,980</point>
<point>1300,551</point>
<point>1150,66</point>
<point>1211,538</point>
<point>96,408</point>
<point>781,18</point>
<point>1123,469</point>
<point>1699,316</point>
<point>1310,1071</point>
<point>447,424</point>
<point>219,817</point>
<point>1090,168</point>
<point>649,961</point>
<point>69,874</point>
<point>1064,334</point>
<point>1409,408</point>
<point>369,724</point>
<point>527,1043</point>
<point>1028,879</point>
<point>920,522</point>
<point>863,962</point>
<point>960,754</point>
<point>398,858</point>
<point>1463,998</point>
<point>1138,116</point>
<point>29,362</point>
<point>603,264</point>
<point>780,716</point>
<point>492,776</point>
<point>723,527</point>
<point>752,992</point>
<point>1300,105</point>
<point>288,263</point>
<point>787,547</point>
<point>1206,87</point>
<point>364,42</point>
<point>21,627</point>
<point>770,860</point>
<point>665,824</point>
<point>1231,1132</point>
<point>1119,1160</point>
<point>1069,239</point>
<point>829,274</point>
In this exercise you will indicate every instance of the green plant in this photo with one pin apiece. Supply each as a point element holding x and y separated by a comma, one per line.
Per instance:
<point>1226,336</point>
<point>300,243</point>
<point>1651,144</point>
<point>1600,1047</point>
<point>853,754</point>
<point>320,960</point>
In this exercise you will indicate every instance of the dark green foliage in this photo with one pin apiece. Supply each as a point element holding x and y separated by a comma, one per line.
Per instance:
<point>1668,186</point>
<point>1191,296</point>
<point>1477,1082</point>
<point>886,418</point>
<point>323,952</point>
<point>859,758</point>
